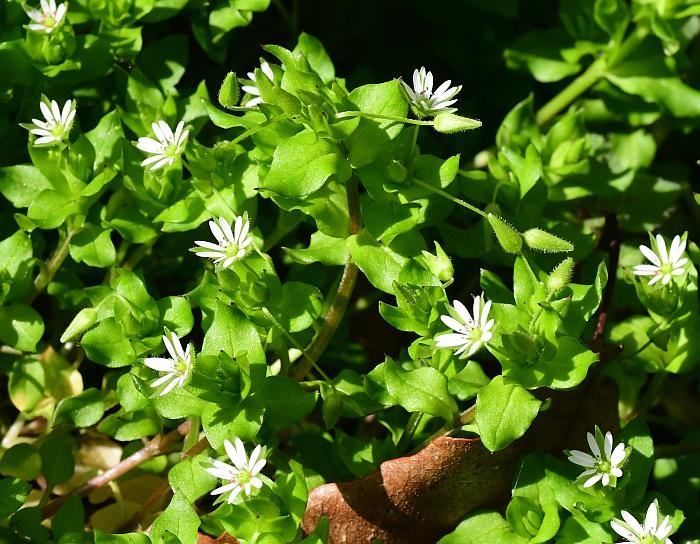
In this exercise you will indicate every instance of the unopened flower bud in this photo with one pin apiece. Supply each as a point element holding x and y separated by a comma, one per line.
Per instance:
<point>507,236</point>
<point>439,264</point>
<point>560,276</point>
<point>228,93</point>
<point>85,319</point>
<point>547,243</point>
<point>449,123</point>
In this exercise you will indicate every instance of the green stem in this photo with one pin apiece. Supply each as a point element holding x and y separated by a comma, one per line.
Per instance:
<point>50,267</point>
<point>293,342</point>
<point>411,426</point>
<point>280,232</point>
<point>140,253</point>
<point>448,196</point>
<point>572,91</point>
<point>366,115</point>
<point>253,130</point>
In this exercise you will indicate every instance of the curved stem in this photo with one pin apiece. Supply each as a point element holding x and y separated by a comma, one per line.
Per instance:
<point>571,92</point>
<point>155,447</point>
<point>339,302</point>
<point>140,253</point>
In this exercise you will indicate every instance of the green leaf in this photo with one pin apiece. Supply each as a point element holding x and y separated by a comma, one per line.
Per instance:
<point>317,56</point>
<point>164,61</point>
<point>372,136</point>
<point>465,383</point>
<point>26,384</point>
<point>128,538</point>
<point>285,401</point>
<point>378,262</point>
<point>82,410</point>
<point>107,138</point>
<point>16,251</point>
<point>302,164</point>
<point>504,411</point>
<point>612,16</point>
<point>540,53</point>
<point>21,327</point>
<point>242,420</point>
<point>93,246</point>
<point>230,331</point>
<point>483,528</point>
<point>20,184</point>
<point>421,390</point>
<point>13,493</point>
<point>21,461</point>
<point>191,478</point>
<point>68,525</point>
<point>299,306</point>
<point>179,518</point>
<point>107,345</point>
<point>176,314</point>
<point>57,457</point>
<point>125,426</point>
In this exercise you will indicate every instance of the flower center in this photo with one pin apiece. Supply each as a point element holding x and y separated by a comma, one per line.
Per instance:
<point>242,478</point>
<point>172,150</point>
<point>49,21</point>
<point>181,367</point>
<point>603,466</point>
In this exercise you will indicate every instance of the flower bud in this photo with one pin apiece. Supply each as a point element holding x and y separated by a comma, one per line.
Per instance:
<point>396,171</point>
<point>449,123</point>
<point>547,243</point>
<point>439,264</point>
<point>228,93</point>
<point>507,236</point>
<point>560,276</point>
<point>85,319</point>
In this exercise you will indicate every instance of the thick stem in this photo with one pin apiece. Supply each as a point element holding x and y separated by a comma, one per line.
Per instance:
<point>611,238</point>
<point>155,447</point>
<point>339,303</point>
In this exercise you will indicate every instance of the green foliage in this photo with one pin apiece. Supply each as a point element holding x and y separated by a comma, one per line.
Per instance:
<point>363,214</point>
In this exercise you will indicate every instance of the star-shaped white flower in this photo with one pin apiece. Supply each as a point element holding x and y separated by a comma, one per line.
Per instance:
<point>652,532</point>
<point>177,368</point>
<point>57,122</point>
<point>604,465</point>
<point>470,333</point>
<point>424,100</point>
<point>243,475</point>
<point>48,18</point>
<point>666,264</point>
<point>253,89</point>
<point>232,242</point>
<point>166,148</point>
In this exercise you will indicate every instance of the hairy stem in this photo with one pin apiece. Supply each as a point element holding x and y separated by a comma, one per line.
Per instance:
<point>339,302</point>
<point>610,238</point>
<point>155,447</point>
<point>366,115</point>
<point>448,196</point>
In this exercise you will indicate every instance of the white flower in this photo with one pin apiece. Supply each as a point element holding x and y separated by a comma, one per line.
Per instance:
<point>57,124</point>
<point>48,18</point>
<point>604,465</point>
<point>232,243</point>
<point>424,100</point>
<point>651,533</point>
<point>166,148</point>
<point>242,476</point>
<point>253,89</point>
<point>178,368</point>
<point>666,264</point>
<point>470,333</point>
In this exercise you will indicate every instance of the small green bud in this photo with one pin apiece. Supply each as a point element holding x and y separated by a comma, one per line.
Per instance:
<point>560,276</point>
<point>439,264</point>
<point>85,319</point>
<point>449,123</point>
<point>228,93</point>
<point>397,171</point>
<point>507,236</point>
<point>547,243</point>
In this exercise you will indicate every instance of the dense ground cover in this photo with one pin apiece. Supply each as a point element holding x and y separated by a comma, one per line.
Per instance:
<point>349,271</point>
